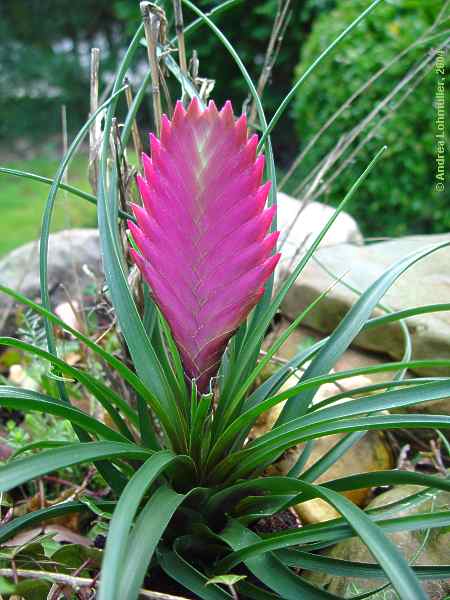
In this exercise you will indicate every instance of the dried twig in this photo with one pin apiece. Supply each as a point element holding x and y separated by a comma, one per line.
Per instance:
<point>95,130</point>
<point>137,143</point>
<point>152,18</point>
<point>439,462</point>
<point>276,38</point>
<point>179,28</point>
<point>75,582</point>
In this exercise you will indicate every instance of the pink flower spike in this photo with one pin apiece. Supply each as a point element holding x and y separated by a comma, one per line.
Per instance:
<point>203,232</point>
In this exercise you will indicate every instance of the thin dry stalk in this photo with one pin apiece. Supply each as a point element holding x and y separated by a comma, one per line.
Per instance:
<point>371,134</point>
<point>137,143</point>
<point>276,39</point>
<point>95,130</point>
<point>179,28</point>
<point>168,99</point>
<point>151,16</point>
<point>384,104</point>
<point>75,582</point>
<point>315,184</point>
<point>366,85</point>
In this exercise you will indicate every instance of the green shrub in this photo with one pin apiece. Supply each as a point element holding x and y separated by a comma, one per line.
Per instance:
<point>401,197</point>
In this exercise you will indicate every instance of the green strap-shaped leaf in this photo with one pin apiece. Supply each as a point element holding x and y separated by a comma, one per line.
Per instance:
<point>129,376</point>
<point>144,357</point>
<point>324,535</point>
<point>246,461</point>
<point>146,535</point>
<point>267,568</point>
<point>383,550</point>
<point>227,499</point>
<point>271,385</point>
<point>46,223</point>
<point>20,471</point>
<point>22,399</point>
<point>107,397</point>
<point>117,544</point>
<point>346,568</point>
<point>371,404</point>
<point>10,529</point>
<point>185,574</point>
<point>396,399</point>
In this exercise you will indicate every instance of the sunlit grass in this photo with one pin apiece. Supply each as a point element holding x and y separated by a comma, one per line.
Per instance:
<point>22,202</point>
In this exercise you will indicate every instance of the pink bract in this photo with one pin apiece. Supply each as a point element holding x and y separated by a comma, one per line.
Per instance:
<point>202,232</point>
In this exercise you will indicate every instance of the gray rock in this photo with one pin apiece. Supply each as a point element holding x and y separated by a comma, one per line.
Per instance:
<point>299,225</point>
<point>427,282</point>
<point>73,259</point>
<point>432,550</point>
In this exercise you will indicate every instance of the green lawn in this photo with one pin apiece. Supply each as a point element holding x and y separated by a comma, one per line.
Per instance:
<point>22,202</point>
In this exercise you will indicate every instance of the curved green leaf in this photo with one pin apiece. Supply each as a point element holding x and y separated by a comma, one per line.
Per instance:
<point>310,69</point>
<point>117,545</point>
<point>346,568</point>
<point>246,461</point>
<point>22,399</point>
<point>267,568</point>
<point>383,550</point>
<point>107,397</point>
<point>185,574</point>
<point>20,471</point>
<point>10,529</point>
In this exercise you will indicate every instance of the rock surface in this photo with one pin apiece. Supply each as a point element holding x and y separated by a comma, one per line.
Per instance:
<point>300,225</point>
<point>434,552</point>
<point>426,282</point>
<point>70,252</point>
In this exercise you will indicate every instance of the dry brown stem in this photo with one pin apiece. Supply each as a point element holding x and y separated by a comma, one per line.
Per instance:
<point>179,29</point>
<point>153,20</point>
<point>95,130</point>
<point>75,582</point>
<point>276,39</point>
<point>137,143</point>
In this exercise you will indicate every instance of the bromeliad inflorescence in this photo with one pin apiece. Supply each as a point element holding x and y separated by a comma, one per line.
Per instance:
<point>202,233</point>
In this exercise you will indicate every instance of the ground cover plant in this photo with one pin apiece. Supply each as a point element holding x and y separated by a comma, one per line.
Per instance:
<point>186,483</point>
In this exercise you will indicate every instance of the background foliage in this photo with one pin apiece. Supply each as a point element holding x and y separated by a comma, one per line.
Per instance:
<point>402,198</point>
<point>46,63</point>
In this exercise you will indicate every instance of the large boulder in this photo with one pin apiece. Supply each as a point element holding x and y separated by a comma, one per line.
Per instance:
<point>426,282</point>
<point>300,223</point>
<point>74,261</point>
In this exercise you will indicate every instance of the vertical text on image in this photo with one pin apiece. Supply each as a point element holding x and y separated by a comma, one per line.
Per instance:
<point>440,124</point>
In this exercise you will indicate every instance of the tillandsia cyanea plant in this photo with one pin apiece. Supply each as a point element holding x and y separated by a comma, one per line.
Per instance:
<point>186,483</point>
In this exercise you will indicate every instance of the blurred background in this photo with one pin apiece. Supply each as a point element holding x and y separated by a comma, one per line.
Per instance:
<point>387,64</point>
